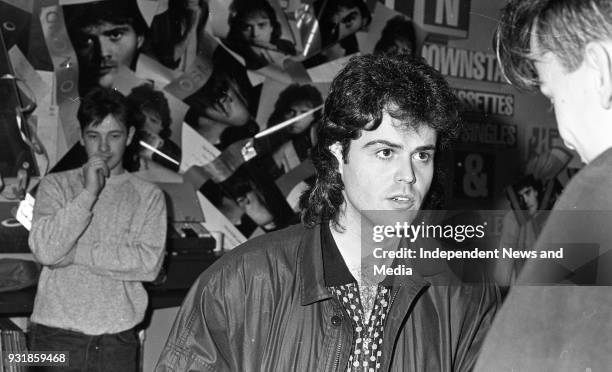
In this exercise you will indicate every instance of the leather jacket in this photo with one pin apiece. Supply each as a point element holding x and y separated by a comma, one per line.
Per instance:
<point>264,306</point>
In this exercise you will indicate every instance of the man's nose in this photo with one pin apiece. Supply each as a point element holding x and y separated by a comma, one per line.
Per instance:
<point>104,146</point>
<point>405,172</point>
<point>107,48</point>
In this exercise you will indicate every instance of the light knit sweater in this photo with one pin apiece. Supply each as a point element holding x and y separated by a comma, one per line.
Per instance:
<point>94,261</point>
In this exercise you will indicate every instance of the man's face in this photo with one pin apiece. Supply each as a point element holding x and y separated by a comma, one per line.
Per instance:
<point>403,46</point>
<point>229,109</point>
<point>257,29</point>
<point>530,197</point>
<point>153,122</point>
<point>298,109</point>
<point>574,100</point>
<point>109,138</point>
<point>349,21</point>
<point>390,168</point>
<point>103,48</point>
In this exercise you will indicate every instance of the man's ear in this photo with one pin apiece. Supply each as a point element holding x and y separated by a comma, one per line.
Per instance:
<point>336,149</point>
<point>598,56</point>
<point>81,141</point>
<point>140,41</point>
<point>130,136</point>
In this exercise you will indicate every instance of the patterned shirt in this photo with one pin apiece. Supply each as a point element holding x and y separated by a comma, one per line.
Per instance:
<point>367,333</point>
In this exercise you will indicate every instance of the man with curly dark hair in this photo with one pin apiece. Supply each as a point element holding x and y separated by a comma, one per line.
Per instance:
<point>295,300</point>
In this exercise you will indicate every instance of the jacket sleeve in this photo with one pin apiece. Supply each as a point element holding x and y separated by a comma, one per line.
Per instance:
<point>200,337</point>
<point>136,255</point>
<point>57,223</point>
<point>484,303</point>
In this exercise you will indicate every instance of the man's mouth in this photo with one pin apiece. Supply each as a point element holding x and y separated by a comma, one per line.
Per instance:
<point>402,199</point>
<point>260,43</point>
<point>105,69</point>
<point>106,155</point>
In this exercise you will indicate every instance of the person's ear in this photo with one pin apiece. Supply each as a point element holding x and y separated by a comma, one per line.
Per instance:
<point>598,56</point>
<point>140,41</point>
<point>130,136</point>
<point>336,150</point>
<point>81,140</point>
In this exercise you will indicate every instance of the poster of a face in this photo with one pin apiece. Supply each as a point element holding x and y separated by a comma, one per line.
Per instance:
<point>256,30</point>
<point>290,119</point>
<point>288,101</point>
<point>106,36</point>
<point>293,143</point>
<point>338,23</point>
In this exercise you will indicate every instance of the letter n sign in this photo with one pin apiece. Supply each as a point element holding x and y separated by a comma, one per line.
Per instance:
<point>444,17</point>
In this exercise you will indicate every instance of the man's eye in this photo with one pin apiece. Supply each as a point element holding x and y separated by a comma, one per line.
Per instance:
<point>115,35</point>
<point>384,154</point>
<point>290,114</point>
<point>423,156</point>
<point>224,98</point>
<point>349,18</point>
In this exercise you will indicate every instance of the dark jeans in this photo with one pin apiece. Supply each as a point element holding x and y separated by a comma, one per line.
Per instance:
<point>103,353</point>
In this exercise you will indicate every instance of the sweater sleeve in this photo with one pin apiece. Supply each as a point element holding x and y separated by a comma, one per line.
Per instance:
<point>136,256</point>
<point>57,224</point>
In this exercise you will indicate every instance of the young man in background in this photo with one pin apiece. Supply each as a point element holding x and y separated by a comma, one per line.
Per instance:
<point>99,232</point>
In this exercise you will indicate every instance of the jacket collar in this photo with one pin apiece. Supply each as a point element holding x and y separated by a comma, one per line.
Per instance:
<point>310,264</point>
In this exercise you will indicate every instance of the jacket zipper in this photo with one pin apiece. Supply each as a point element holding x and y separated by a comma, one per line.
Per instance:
<point>338,350</point>
<point>389,309</point>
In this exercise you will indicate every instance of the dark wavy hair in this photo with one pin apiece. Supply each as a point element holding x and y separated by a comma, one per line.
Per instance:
<point>146,98</point>
<point>406,88</point>
<point>562,27</point>
<point>240,10</point>
<point>294,93</point>
<point>101,102</point>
